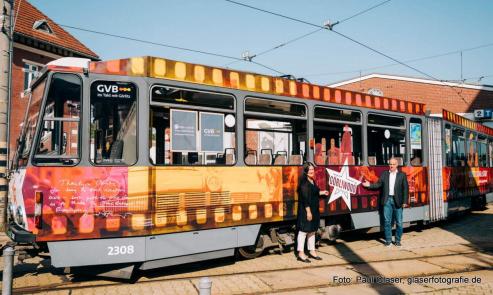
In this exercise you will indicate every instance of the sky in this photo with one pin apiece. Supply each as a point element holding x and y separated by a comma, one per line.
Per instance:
<point>404,30</point>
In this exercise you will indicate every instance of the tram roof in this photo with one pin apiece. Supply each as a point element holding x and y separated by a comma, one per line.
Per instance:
<point>459,120</point>
<point>155,67</point>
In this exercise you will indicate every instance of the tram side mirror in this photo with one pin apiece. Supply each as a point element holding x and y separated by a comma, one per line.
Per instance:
<point>20,145</point>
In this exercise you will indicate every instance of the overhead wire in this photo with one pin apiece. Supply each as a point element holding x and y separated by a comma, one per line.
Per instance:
<point>149,42</point>
<point>348,38</point>
<point>165,45</point>
<point>249,58</point>
<point>276,47</point>
<point>406,61</point>
<point>479,78</point>
<point>364,11</point>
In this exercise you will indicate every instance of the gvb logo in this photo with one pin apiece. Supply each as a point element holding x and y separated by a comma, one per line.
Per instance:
<point>107,88</point>
<point>113,90</point>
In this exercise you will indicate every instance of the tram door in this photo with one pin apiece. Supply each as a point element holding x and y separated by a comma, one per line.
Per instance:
<point>435,142</point>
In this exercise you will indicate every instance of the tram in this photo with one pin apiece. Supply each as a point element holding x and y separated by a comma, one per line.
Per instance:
<point>148,162</point>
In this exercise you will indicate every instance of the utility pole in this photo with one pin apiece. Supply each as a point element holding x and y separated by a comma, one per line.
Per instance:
<point>6,35</point>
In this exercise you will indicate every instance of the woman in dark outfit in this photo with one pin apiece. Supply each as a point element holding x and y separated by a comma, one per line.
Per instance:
<point>308,212</point>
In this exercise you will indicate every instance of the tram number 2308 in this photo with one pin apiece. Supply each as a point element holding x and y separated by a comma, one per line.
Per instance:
<point>121,250</point>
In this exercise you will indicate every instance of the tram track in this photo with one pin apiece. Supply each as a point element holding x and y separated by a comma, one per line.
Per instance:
<point>71,284</point>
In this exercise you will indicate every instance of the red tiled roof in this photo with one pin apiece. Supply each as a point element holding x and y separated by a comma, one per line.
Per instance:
<point>28,14</point>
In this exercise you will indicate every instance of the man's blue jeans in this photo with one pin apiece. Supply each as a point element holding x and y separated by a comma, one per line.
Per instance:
<point>391,213</point>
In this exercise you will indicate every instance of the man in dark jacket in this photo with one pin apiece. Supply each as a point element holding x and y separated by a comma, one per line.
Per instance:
<point>394,197</point>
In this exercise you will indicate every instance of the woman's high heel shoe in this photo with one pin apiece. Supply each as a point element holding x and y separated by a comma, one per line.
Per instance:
<point>305,260</point>
<point>314,257</point>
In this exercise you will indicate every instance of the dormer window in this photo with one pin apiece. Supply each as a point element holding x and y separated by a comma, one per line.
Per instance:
<point>43,26</point>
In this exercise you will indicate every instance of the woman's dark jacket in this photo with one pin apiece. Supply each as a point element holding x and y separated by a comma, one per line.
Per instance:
<point>308,196</point>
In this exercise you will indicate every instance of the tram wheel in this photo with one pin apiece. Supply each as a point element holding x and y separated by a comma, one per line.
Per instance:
<point>253,251</point>
<point>250,252</point>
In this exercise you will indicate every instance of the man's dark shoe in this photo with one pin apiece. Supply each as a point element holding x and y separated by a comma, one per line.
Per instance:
<point>398,244</point>
<point>388,244</point>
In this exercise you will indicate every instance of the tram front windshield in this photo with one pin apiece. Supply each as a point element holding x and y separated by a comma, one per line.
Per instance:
<point>29,125</point>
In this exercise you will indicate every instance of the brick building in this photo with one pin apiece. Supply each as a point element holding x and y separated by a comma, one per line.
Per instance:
<point>37,41</point>
<point>459,98</point>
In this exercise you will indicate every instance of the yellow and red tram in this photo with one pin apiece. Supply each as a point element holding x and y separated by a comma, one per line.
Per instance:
<point>152,162</point>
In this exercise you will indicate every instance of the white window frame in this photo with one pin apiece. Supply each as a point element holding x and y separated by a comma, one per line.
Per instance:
<point>32,73</point>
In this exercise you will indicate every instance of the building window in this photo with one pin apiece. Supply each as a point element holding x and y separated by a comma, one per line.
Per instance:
<point>31,71</point>
<point>43,26</point>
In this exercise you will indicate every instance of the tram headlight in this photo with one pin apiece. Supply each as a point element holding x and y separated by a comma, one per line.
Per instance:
<point>38,208</point>
<point>19,218</point>
<point>10,212</point>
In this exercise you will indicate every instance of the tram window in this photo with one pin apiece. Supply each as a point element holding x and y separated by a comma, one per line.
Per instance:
<point>192,136</point>
<point>113,123</point>
<point>448,146</point>
<point>274,107</point>
<point>25,141</point>
<point>482,151</point>
<point>415,133</point>
<point>274,141</point>
<point>337,114</point>
<point>336,142</point>
<point>388,139</point>
<point>458,147</point>
<point>275,132</point>
<point>171,95</point>
<point>391,121</point>
<point>490,144</point>
<point>472,149</point>
<point>59,141</point>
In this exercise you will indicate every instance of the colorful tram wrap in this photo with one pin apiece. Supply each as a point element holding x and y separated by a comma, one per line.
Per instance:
<point>156,162</point>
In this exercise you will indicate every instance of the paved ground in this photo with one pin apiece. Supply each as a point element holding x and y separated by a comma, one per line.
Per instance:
<point>454,257</point>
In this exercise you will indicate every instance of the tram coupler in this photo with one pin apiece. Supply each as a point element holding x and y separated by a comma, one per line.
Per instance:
<point>26,253</point>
